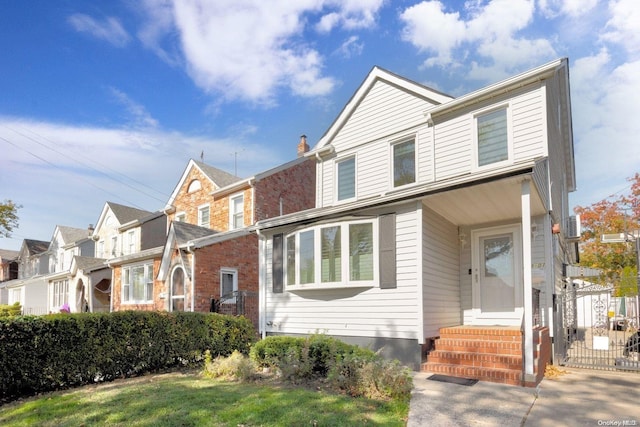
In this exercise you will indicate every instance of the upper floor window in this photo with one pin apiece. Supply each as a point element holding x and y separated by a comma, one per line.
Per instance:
<point>114,246</point>
<point>131,241</point>
<point>181,217</point>
<point>203,216</point>
<point>137,283</point>
<point>492,137</point>
<point>404,163</point>
<point>236,211</point>
<point>100,250</point>
<point>346,179</point>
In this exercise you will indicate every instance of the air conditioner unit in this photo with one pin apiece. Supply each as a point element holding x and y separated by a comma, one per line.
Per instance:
<point>613,238</point>
<point>573,228</point>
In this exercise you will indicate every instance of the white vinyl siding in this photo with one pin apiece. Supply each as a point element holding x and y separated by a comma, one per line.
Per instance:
<point>441,291</point>
<point>385,111</point>
<point>369,312</point>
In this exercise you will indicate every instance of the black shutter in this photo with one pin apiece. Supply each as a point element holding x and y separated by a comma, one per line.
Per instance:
<point>387,233</point>
<point>277,275</point>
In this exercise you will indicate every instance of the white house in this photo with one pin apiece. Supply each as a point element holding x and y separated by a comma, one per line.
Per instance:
<point>438,220</point>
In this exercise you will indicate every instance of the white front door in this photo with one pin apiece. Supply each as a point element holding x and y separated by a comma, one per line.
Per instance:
<point>497,276</point>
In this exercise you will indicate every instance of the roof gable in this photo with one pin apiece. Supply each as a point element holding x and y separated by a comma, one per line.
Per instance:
<point>123,214</point>
<point>217,177</point>
<point>380,78</point>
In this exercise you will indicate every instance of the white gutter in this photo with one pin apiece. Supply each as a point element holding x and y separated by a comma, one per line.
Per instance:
<point>193,275</point>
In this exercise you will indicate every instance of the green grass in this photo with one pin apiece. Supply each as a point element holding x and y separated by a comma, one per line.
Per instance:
<point>181,399</point>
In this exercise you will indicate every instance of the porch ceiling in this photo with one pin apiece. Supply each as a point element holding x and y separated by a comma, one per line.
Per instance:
<point>484,203</point>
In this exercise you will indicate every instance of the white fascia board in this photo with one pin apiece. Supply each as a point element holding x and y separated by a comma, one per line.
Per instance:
<point>218,237</point>
<point>535,74</point>
<point>389,197</point>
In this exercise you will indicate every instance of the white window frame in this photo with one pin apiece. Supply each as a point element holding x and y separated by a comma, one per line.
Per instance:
<point>194,186</point>
<point>345,279</point>
<point>131,241</point>
<point>180,217</point>
<point>201,208</point>
<point>60,295</point>
<point>337,178</point>
<point>476,157</point>
<point>183,296</point>
<point>392,163</point>
<point>233,214</point>
<point>100,249</point>
<point>126,295</point>
<point>234,273</point>
<point>114,246</point>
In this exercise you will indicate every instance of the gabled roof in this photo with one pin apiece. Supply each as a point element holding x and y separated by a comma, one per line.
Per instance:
<point>218,177</point>
<point>71,234</point>
<point>126,214</point>
<point>35,247</point>
<point>8,255</point>
<point>179,235</point>
<point>185,232</point>
<point>375,75</point>
<point>87,264</point>
<point>123,214</point>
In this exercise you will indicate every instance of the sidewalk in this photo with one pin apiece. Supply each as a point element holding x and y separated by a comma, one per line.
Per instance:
<point>577,397</point>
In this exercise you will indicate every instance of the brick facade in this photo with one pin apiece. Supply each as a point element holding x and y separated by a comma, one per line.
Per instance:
<point>159,287</point>
<point>296,186</point>
<point>240,254</point>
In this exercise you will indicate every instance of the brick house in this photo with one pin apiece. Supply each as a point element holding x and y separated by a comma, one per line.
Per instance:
<point>210,258</point>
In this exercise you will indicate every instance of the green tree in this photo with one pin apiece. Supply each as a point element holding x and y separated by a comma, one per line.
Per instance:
<point>8,217</point>
<point>616,260</point>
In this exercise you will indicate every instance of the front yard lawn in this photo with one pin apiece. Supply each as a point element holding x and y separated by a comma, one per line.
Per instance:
<point>188,399</point>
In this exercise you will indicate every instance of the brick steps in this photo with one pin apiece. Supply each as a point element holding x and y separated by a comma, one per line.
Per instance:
<point>484,353</point>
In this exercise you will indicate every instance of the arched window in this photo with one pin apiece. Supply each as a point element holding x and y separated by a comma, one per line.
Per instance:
<point>194,186</point>
<point>177,290</point>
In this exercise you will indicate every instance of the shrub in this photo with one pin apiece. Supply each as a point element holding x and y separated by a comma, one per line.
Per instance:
<point>12,310</point>
<point>349,368</point>
<point>235,366</point>
<point>58,351</point>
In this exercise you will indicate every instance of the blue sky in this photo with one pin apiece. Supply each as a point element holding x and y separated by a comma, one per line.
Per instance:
<point>108,100</point>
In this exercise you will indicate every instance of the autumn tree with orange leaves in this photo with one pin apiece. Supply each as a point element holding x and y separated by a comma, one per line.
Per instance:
<point>617,261</point>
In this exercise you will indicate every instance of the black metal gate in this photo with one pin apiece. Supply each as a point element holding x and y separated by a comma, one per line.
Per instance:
<point>595,329</point>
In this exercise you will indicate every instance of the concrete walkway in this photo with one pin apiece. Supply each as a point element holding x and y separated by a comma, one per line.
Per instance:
<point>576,397</point>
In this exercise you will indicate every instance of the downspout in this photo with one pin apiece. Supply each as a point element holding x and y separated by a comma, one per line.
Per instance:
<point>262,291</point>
<point>193,274</point>
<point>113,282</point>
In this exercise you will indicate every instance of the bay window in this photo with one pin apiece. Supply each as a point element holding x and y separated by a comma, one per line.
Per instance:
<point>332,254</point>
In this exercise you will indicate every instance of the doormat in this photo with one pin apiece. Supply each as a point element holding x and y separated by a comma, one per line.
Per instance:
<point>453,380</point>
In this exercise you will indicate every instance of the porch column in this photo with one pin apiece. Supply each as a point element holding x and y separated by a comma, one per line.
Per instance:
<point>526,273</point>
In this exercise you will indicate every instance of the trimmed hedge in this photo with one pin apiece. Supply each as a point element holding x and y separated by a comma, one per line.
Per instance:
<point>10,310</point>
<point>58,351</point>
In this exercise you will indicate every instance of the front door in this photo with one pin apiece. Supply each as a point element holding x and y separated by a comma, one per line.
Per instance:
<point>497,276</point>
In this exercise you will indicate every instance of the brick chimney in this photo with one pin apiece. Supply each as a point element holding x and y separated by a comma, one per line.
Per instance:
<point>303,147</point>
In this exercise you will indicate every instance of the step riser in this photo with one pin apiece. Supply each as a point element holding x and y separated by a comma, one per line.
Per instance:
<point>486,354</point>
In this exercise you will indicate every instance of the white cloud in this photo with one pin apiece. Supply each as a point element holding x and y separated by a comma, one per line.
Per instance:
<point>140,117</point>
<point>490,29</point>
<point>350,47</point>
<point>110,30</point>
<point>571,8</point>
<point>71,171</point>
<point>623,27</point>
<point>351,15</point>
<point>605,139</point>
